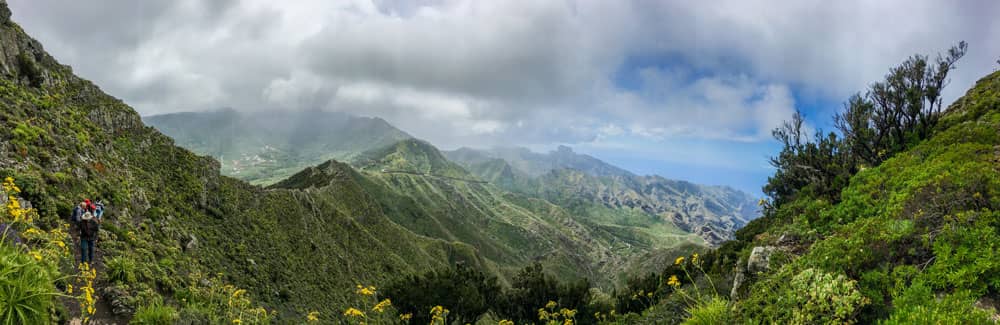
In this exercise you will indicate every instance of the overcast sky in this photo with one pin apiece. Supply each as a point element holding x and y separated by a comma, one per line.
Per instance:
<point>677,88</point>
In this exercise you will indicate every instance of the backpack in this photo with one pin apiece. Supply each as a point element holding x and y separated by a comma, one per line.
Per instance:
<point>88,229</point>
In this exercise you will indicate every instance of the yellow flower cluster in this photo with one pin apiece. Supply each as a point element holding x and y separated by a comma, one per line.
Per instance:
<point>14,209</point>
<point>549,314</point>
<point>233,301</point>
<point>406,316</point>
<point>673,281</point>
<point>605,318</point>
<point>439,315</point>
<point>365,291</point>
<point>679,260</point>
<point>354,312</point>
<point>312,317</point>
<point>87,299</point>
<point>380,307</point>
<point>505,322</point>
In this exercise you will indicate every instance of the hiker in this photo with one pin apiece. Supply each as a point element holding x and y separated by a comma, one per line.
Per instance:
<point>88,235</point>
<point>99,211</point>
<point>89,205</point>
<point>78,212</point>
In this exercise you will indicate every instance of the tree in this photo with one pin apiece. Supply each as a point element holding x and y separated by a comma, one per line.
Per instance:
<point>532,289</point>
<point>466,292</point>
<point>820,165</point>
<point>899,111</point>
<point>892,116</point>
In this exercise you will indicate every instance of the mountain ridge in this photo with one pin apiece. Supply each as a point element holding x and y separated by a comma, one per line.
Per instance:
<point>573,180</point>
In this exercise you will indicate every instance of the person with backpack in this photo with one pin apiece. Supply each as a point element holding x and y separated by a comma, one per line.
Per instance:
<point>99,211</point>
<point>88,236</point>
<point>78,212</point>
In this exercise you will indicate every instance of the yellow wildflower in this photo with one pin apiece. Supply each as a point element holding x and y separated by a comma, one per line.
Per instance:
<point>365,291</point>
<point>568,313</point>
<point>354,312</point>
<point>38,257</point>
<point>679,260</point>
<point>673,281</point>
<point>542,314</point>
<point>405,317</point>
<point>551,304</point>
<point>380,307</point>
<point>505,322</point>
<point>313,316</point>
<point>694,258</point>
<point>69,288</point>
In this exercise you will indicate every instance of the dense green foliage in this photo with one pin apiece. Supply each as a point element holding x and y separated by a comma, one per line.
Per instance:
<point>27,287</point>
<point>905,236</point>
<point>909,240</point>
<point>894,115</point>
<point>467,292</point>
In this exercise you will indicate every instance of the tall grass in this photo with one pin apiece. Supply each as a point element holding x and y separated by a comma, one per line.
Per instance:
<point>27,290</point>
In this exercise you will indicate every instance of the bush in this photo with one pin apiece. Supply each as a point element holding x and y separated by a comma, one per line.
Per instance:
<point>155,314</point>
<point>121,269</point>
<point>532,289</point>
<point>822,298</point>
<point>27,289</point>
<point>714,311</point>
<point>918,305</point>
<point>466,292</point>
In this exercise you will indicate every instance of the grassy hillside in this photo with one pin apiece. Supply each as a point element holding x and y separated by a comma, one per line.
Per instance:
<point>178,232</point>
<point>916,235</point>
<point>910,240</point>
<point>263,147</point>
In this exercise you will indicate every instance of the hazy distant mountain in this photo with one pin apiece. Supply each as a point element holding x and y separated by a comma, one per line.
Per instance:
<point>536,164</point>
<point>581,182</point>
<point>266,146</point>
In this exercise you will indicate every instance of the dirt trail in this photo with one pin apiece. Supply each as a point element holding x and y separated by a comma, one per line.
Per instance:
<point>104,316</point>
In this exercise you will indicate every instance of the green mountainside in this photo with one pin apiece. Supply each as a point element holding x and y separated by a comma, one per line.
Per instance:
<point>606,194</point>
<point>431,196</point>
<point>263,147</point>
<point>177,230</point>
<point>908,234</point>
<point>917,234</point>
<point>909,239</point>
<point>181,242</point>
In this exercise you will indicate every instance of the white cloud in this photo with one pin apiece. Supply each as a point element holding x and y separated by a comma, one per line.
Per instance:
<point>471,72</point>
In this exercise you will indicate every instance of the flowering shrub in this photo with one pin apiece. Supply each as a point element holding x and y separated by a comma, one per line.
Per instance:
<point>28,272</point>
<point>822,298</point>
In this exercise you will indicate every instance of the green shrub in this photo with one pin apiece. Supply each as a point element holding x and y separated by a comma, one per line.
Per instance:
<point>714,311</point>
<point>155,314</point>
<point>27,289</point>
<point>121,269</point>
<point>822,298</point>
<point>918,305</point>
